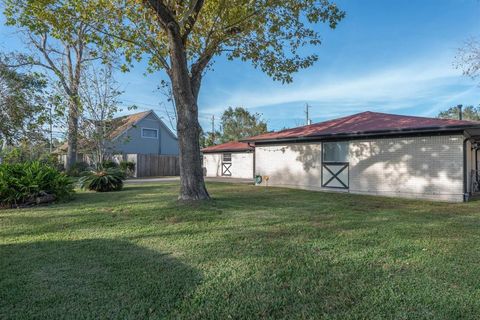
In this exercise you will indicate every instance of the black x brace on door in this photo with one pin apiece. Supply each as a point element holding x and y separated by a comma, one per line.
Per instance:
<point>226,169</point>
<point>335,175</point>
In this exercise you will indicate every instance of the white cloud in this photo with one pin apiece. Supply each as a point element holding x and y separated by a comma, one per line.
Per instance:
<point>392,88</point>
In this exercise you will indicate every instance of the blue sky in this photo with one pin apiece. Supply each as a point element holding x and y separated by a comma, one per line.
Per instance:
<point>386,55</point>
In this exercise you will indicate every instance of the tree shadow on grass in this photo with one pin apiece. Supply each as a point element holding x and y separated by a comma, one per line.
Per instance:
<point>96,279</point>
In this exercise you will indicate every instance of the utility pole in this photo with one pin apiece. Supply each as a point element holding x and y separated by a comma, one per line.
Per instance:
<point>307,116</point>
<point>213,128</point>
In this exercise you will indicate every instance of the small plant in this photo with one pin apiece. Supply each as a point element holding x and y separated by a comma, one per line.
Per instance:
<point>109,164</point>
<point>29,183</point>
<point>103,180</point>
<point>128,167</point>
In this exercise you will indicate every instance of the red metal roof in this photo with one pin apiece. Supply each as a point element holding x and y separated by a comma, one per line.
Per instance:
<point>364,123</point>
<point>229,146</point>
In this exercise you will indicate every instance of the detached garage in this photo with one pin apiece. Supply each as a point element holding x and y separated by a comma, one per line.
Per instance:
<point>232,159</point>
<point>375,153</point>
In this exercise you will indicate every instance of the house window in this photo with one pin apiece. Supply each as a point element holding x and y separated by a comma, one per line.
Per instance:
<point>150,133</point>
<point>335,151</point>
<point>227,157</point>
<point>335,166</point>
<point>227,164</point>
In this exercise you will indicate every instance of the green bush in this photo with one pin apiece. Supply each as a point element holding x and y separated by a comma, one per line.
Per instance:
<point>103,180</point>
<point>30,183</point>
<point>109,164</point>
<point>29,153</point>
<point>78,169</point>
<point>128,167</point>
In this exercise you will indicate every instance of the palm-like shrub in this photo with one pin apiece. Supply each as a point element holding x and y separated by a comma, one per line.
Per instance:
<point>103,180</point>
<point>30,183</point>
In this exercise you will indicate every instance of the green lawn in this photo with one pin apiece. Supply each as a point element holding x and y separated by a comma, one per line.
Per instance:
<point>249,253</point>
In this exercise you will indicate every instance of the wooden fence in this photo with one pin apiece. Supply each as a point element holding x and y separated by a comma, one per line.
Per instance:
<point>154,165</point>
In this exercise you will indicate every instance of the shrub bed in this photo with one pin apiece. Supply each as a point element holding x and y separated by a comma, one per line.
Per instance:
<point>31,183</point>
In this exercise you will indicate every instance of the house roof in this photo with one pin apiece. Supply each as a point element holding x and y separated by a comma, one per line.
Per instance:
<point>366,123</point>
<point>231,146</point>
<point>82,145</point>
<point>122,124</point>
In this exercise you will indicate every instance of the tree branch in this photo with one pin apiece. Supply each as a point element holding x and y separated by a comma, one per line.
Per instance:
<point>163,13</point>
<point>191,19</point>
<point>42,47</point>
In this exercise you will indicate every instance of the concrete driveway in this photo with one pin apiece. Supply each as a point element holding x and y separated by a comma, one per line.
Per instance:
<point>172,179</point>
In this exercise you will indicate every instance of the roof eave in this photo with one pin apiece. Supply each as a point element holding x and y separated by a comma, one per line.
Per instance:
<point>226,150</point>
<point>367,133</point>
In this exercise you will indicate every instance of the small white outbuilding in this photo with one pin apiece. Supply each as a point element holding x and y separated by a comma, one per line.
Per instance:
<point>232,159</point>
<point>377,154</point>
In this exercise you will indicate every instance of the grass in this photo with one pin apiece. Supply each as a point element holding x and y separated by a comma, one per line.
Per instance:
<point>249,253</point>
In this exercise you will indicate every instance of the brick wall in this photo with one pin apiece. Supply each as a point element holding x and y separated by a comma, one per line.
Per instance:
<point>290,165</point>
<point>416,167</point>
<point>242,164</point>
<point>212,164</point>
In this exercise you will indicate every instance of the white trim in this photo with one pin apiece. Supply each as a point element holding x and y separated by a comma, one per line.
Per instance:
<point>144,128</point>
<point>163,124</point>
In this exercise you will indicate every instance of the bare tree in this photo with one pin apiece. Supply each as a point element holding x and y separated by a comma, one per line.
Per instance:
<point>99,93</point>
<point>468,58</point>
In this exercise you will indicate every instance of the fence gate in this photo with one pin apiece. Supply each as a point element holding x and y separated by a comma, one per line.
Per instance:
<point>335,175</point>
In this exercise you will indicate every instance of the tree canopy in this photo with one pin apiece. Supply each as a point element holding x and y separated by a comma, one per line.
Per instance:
<point>468,113</point>
<point>239,123</point>
<point>22,105</point>
<point>235,124</point>
<point>270,34</point>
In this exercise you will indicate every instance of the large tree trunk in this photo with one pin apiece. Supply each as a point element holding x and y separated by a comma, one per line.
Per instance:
<point>191,172</point>
<point>72,134</point>
<point>188,129</point>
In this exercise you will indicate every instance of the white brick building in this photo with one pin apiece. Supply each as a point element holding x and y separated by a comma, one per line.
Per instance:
<point>231,159</point>
<point>374,153</point>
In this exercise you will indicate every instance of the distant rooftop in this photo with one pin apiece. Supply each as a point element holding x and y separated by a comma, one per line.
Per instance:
<point>229,147</point>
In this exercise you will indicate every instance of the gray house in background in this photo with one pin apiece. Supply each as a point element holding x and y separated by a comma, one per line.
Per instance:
<point>143,133</point>
<point>141,138</point>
